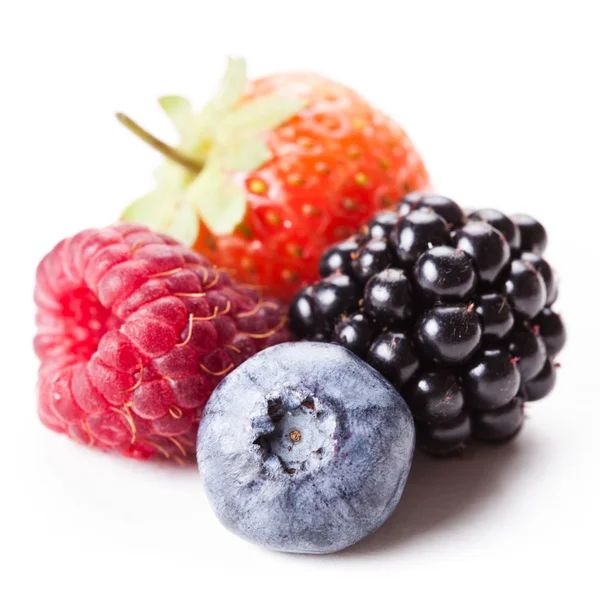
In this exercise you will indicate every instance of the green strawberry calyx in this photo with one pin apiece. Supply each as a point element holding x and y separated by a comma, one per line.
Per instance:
<point>196,182</point>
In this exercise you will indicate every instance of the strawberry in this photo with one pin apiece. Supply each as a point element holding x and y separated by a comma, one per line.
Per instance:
<point>273,171</point>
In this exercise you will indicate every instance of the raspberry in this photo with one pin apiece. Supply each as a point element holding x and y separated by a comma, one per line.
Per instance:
<point>134,331</point>
<point>454,310</point>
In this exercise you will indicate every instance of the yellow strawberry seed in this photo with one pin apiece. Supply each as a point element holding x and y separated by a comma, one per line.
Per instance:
<point>290,276</point>
<point>294,250</point>
<point>257,186</point>
<point>272,218</point>
<point>295,179</point>
<point>353,152</point>
<point>308,210</point>
<point>361,179</point>
<point>350,204</point>
<point>248,265</point>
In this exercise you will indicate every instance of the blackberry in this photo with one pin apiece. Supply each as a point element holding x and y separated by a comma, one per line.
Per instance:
<point>381,225</point>
<point>435,396</point>
<point>533,234</point>
<point>502,223</point>
<point>456,312</point>
<point>545,270</point>
<point>486,246</point>
<point>444,273</point>
<point>528,349</point>
<point>492,380</point>
<point>450,437</point>
<point>316,309</point>
<point>388,296</point>
<point>501,424</point>
<point>416,233</point>
<point>551,328</point>
<point>302,314</point>
<point>496,315</point>
<point>353,332</point>
<point>451,212</point>
<point>449,334</point>
<point>337,259</point>
<point>525,288</point>
<point>370,259</point>
<point>394,356</point>
<point>542,384</point>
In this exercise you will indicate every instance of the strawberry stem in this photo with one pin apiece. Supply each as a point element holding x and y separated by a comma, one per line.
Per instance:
<point>167,151</point>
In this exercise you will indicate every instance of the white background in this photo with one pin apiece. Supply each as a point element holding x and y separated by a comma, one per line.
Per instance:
<point>502,100</point>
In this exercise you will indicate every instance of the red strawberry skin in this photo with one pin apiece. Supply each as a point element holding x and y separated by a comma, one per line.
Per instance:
<point>335,164</point>
<point>134,331</point>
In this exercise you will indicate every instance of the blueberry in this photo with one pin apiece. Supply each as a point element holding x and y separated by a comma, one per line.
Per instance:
<point>449,334</point>
<point>525,289</point>
<point>417,232</point>
<point>435,396</point>
<point>449,210</point>
<point>444,273</point>
<point>527,347</point>
<point>338,258</point>
<point>552,330</point>
<point>353,332</point>
<point>502,223</point>
<point>394,356</point>
<point>305,448</point>
<point>371,258</point>
<point>388,296</point>
<point>492,380</point>
<point>533,235</point>
<point>445,438</point>
<point>496,315</point>
<point>501,424</point>
<point>486,246</point>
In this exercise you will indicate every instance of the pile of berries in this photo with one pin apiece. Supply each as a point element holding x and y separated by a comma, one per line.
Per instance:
<point>155,340</point>
<point>454,310</point>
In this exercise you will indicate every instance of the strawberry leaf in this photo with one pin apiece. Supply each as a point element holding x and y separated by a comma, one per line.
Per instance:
<point>219,201</point>
<point>179,110</point>
<point>171,178</point>
<point>153,210</point>
<point>262,114</point>
<point>224,137</point>
<point>160,212</point>
<point>226,97</point>
<point>184,223</point>
<point>232,85</point>
<point>241,154</point>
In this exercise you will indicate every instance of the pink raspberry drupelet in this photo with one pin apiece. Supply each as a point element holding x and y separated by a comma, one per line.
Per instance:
<point>134,331</point>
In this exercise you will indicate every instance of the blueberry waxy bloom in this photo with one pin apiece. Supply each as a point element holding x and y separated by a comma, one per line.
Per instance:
<point>305,448</point>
